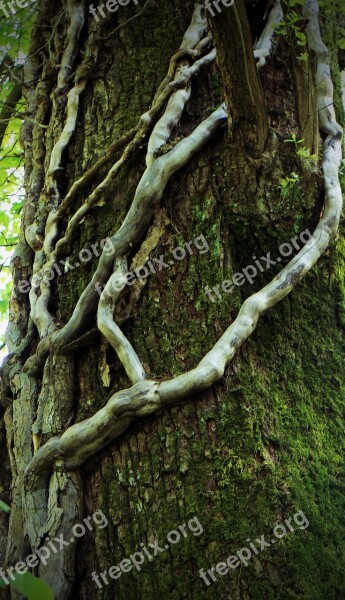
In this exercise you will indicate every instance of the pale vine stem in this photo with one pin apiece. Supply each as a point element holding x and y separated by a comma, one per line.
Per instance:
<point>40,293</point>
<point>84,439</point>
<point>160,135</point>
<point>192,46</point>
<point>111,330</point>
<point>264,45</point>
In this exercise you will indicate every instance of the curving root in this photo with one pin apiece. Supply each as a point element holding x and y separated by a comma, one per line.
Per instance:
<point>73,97</point>
<point>160,135</point>
<point>148,194</point>
<point>162,131</point>
<point>110,330</point>
<point>178,78</point>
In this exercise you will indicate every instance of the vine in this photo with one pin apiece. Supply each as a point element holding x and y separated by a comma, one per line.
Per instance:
<point>51,468</point>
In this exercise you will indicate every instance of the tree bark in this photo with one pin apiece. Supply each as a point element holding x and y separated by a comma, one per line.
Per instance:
<point>242,86</point>
<point>263,442</point>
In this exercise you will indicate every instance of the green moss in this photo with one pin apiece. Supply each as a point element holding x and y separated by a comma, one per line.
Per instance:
<point>281,450</point>
<point>264,442</point>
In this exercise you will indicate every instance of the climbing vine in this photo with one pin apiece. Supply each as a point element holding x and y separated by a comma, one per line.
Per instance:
<point>50,221</point>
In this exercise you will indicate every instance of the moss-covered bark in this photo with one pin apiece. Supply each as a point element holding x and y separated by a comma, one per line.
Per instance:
<point>267,440</point>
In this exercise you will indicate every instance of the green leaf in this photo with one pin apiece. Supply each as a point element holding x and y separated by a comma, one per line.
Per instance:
<point>16,208</point>
<point>32,588</point>
<point>303,56</point>
<point>4,506</point>
<point>4,220</point>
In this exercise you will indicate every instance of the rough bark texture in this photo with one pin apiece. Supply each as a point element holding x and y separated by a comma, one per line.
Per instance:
<point>242,87</point>
<point>265,441</point>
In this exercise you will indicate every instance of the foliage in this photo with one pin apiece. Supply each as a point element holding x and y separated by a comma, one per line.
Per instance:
<point>14,43</point>
<point>31,587</point>
<point>287,183</point>
<point>4,506</point>
<point>292,28</point>
<point>307,159</point>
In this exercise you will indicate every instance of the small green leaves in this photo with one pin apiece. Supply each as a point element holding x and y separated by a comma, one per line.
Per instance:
<point>287,183</point>
<point>303,153</point>
<point>292,26</point>
<point>293,140</point>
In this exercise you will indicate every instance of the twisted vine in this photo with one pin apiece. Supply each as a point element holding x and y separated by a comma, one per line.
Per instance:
<point>84,439</point>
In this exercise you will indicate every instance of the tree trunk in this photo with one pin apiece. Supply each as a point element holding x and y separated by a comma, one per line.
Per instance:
<point>265,440</point>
